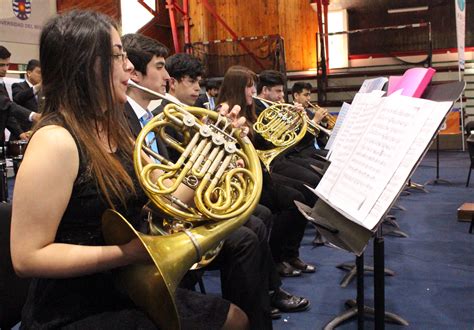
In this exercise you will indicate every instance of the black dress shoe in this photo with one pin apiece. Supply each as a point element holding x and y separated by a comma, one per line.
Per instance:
<point>275,312</point>
<point>286,270</point>
<point>301,265</point>
<point>288,303</point>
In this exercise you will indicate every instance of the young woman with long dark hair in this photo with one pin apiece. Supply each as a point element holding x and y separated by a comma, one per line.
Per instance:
<point>78,164</point>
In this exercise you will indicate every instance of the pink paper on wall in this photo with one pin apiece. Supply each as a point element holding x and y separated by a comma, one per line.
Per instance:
<point>413,82</point>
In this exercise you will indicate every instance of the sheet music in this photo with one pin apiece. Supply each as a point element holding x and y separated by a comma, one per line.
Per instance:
<point>373,142</point>
<point>370,85</point>
<point>362,111</point>
<point>396,183</point>
<point>340,119</point>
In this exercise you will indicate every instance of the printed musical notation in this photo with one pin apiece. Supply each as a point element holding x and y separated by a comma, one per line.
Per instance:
<point>376,149</point>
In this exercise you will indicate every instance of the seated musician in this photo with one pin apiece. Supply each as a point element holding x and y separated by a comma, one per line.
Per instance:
<point>279,191</point>
<point>243,260</point>
<point>301,92</point>
<point>208,99</point>
<point>270,91</point>
<point>185,69</point>
<point>61,191</point>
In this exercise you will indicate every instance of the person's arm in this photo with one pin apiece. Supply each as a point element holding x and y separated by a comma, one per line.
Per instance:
<point>20,112</point>
<point>21,95</point>
<point>42,191</point>
<point>12,125</point>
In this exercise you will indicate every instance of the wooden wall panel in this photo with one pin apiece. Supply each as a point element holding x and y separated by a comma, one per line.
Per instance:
<point>246,18</point>
<point>109,7</point>
<point>298,25</point>
<point>294,20</point>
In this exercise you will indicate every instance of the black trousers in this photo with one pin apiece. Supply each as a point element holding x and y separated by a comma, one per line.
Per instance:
<point>265,215</point>
<point>244,263</point>
<point>293,170</point>
<point>288,223</point>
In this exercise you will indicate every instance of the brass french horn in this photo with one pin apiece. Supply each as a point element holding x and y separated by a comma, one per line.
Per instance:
<point>224,197</point>
<point>281,125</point>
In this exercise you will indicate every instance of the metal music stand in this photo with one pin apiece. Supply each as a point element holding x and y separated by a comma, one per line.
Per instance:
<point>351,237</point>
<point>346,234</point>
<point>451,91</point>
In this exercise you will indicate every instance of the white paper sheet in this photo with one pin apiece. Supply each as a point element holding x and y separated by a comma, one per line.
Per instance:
<point>370,85</point>
<point>373,154</point>
<point>340,119</point>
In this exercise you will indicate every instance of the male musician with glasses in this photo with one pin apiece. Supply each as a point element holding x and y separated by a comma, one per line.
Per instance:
<point>9,110</point>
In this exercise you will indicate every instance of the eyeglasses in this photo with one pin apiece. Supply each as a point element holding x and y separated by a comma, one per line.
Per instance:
<point>122,57</point>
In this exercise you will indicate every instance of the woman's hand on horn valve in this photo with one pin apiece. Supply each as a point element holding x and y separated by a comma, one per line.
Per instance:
<point>236,120</point>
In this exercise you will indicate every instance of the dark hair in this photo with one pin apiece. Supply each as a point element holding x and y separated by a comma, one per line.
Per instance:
<point>212,84</point>
<point>299,86</point>
<point>32,64</point>
<point>232,92</point>
<point>4,53</point>
<point>182,65</point>
<point>141,49</point>
<point>76,66</point>
<point>270,78</point>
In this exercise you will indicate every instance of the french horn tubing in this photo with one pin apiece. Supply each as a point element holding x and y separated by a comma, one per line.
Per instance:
<point>280,125</point>
<point>224,198</point>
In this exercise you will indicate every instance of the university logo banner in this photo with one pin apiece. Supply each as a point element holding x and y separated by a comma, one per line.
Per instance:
<point>22,9</point>
<point>21,21</point>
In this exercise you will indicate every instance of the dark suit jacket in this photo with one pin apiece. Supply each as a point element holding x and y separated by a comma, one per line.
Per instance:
<point>136,127</point>
<point>23,95</point>
<point>259,106</point>
<point>201,100</point>
<point>8,112</point>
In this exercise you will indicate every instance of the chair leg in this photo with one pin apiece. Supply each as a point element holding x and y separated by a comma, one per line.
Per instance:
<point>468,177</point>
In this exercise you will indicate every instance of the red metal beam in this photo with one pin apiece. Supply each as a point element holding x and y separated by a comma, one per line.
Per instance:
<point>323,28</point>
<point>187,33</point>
<point>326,30</point>
<point>145,5</point>
<point>232,33</point>
<point>171,6</point>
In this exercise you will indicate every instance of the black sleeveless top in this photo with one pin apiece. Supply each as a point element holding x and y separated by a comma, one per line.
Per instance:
<point>93,299</point>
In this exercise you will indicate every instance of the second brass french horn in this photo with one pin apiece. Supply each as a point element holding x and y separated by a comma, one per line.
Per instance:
<point>282,126</point>
<point>224,197</point>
